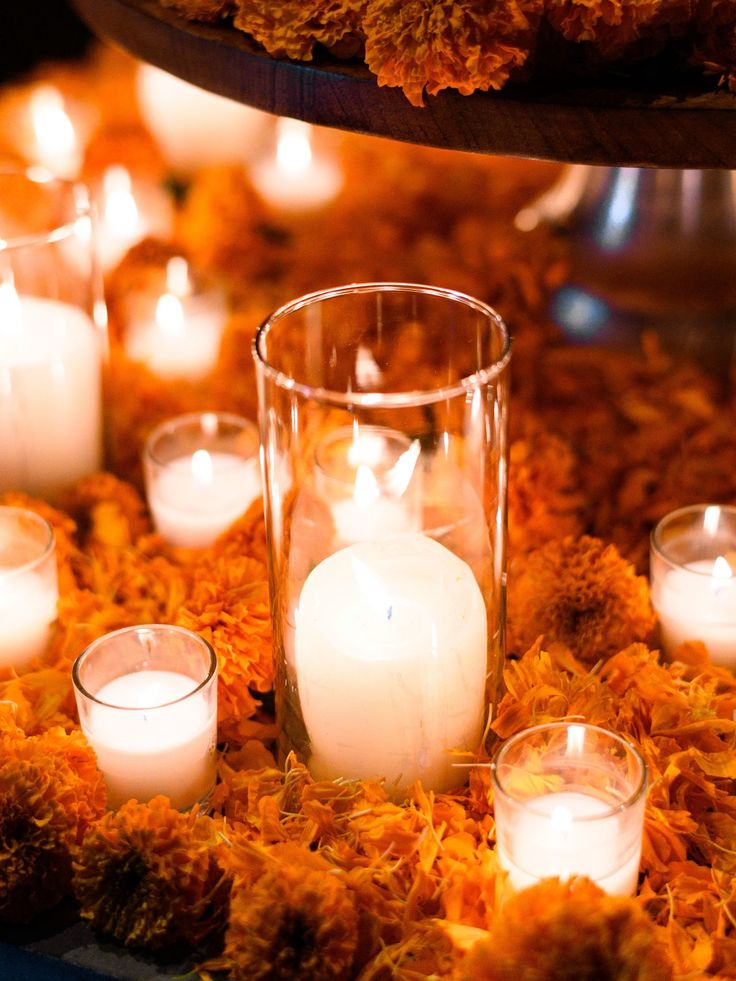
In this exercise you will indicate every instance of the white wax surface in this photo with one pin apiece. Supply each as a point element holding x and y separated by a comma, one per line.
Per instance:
<point>390,657</point>
<point>50,397</point>
<point>384,517</point>
<point>27,611</point>
<point>189,511</point>
<point>189,352</point>
<point>144,751</point>
<point>542,847</point>
<point>312,189</point>
<point>692,605</point>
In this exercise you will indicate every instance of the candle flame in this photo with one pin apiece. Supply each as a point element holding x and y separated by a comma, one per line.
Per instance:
<point>293,147</point>
<point>202,470</point>
<point>177,276</point>
<point>366,490</point>
<point>120,208</point>
<point>399,476</point>
<point>170,314</point>
<point>720,573</point>
<point>52,128</point>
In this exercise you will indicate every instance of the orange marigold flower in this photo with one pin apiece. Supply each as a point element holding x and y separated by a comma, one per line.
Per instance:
<point>41,699</point>
<point>205,10</point>
<point>295,922</point>
<point>106,510</point>
<point>463,44</point>
<point>147,875</point>
<point>579,592</point>
<point>615,25</point>
<point>291,29</point>
<point>569,931</point>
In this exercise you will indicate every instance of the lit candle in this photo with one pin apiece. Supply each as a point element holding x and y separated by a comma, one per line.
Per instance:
<point>127,214</point>
<point>54,143</point>
<point>692,580</point>
<point>195,494</point>
<point>569,801</point>
<point>196,128</point>
<point>50,393</point>
<point>369,478</point>
<point>295,177</point>
<point>28,585</point>
<point>390,660</point>
<point>147,699</point>
<point>183,338</point>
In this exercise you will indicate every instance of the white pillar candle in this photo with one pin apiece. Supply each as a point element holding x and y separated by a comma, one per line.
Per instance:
<point>50,393</point>
<point>182,339</point>
<point>390,660</point>
<point>196,497</point>
<point>567,834</point>
<point>697,601</point>
<point>150,738</point>
<point>296,177</point>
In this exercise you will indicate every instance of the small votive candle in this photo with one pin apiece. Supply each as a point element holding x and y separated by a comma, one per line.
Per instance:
<point>297,176</point>
<point>28,585</point>
<point>569,801</point>
<point>127,212</point>
<point>147,702</point>
<point>369,478</point>
<point>693,581</point>
<point>202,473</point>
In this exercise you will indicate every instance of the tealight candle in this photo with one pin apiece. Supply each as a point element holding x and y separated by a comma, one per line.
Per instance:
<point>196,128</point>
<point>295,177</point>
<point>693,581</point>
<point>369,478</point>
<point>52,140</point>
<point>202,473</point>
<point>182,339</point>
<point>28,585</point>
<point>390,659</point>
<point>147,700</point>
<point>569,801</point>
<point>128,213</point>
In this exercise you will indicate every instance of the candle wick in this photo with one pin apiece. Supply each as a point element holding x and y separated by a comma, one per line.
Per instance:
<point>390,612</point>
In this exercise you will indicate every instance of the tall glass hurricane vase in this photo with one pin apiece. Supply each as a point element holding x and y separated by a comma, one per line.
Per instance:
<point>383,427</point>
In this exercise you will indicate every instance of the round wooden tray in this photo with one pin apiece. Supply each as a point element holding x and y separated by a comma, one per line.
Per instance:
<point>579,123</point>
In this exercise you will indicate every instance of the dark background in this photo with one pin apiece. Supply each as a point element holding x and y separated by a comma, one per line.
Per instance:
<point>38,30</point>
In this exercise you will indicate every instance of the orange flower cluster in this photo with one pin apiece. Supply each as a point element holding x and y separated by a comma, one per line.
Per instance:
<point>474,45</point>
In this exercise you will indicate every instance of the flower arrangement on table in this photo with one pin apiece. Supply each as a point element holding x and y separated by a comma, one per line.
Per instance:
<point>292,877</point>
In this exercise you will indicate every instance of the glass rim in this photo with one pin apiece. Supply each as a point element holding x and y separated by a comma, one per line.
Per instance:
<point>630,801</point>
<point>658,547</point>
<point>169,426</point>
<point>389,399</point>
<point>90,649</point>
<point>48,548</point>
<point>79,195</point>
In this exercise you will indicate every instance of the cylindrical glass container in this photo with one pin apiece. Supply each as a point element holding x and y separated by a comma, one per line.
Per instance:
<point>147,702</point>
<point>383,431</point>
<point>52,335</point>
<point>693,561</point>
<point>28,585</point>
<point>569,800</point>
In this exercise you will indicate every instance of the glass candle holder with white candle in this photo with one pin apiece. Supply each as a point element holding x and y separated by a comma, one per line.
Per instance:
<point>147,702</point>
<point>177,333</point>
<point>693,579</point>
<point>568,801</point>
<point>202,473</point>
<point>386,595</point>
<point>28,585</point>
<point>52,336</point>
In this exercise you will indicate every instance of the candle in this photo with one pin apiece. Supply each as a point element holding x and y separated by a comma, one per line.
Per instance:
<point>692,580</point>
<point>368,476</point>
<point>147,699</point>
<point>182,340</point>
<point>202,474</point>
<point>52,141</point>
<point>50,393</point>
<point>196,128</point>
<point>295,177</point>
<point>28,585</point>
<point>569,800</point>
<point>390,661</point>
<point>127,214</point>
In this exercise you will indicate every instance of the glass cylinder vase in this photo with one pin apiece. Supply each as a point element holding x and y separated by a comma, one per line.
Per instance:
<point>52,335</point>
<point>383,414</point>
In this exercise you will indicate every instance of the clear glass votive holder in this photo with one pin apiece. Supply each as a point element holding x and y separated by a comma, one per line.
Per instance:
<point>202,473</point>
<point>28,585</point>
<point>147,702</point>
<point>693,586</point>
<point>383,427</point>
<point>52,335</point>
<point>569,800</point>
